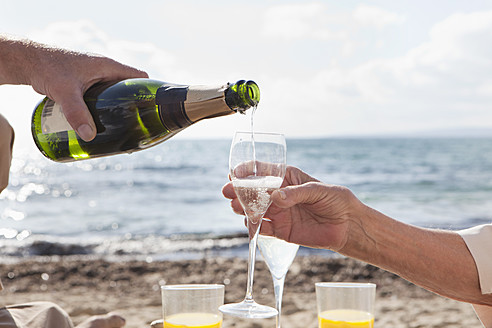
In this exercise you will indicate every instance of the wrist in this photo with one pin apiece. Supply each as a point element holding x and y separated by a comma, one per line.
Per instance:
<point>384,242</point>
<point>361,221</point>
<point>376,238</point>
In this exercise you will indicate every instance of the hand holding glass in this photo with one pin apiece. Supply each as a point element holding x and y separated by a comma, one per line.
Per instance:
<point>257,165</point>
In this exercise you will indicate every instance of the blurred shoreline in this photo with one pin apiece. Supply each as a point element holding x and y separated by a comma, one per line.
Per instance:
<point>147,248</point>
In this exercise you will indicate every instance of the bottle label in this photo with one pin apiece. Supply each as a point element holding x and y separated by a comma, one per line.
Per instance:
<point>170,99</point>
<point>52,118</point>
<point>181,106</point>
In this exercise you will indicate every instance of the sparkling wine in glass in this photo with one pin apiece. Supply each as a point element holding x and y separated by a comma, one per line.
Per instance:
<point>257,164</point>
<point>278,255</point>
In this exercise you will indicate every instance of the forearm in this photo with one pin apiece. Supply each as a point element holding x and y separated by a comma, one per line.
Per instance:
<point>434,259</point>
<point>15,60</point>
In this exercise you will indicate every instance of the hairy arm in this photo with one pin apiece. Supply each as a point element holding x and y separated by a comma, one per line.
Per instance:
<point>11,58</point>
<point>437,260</point>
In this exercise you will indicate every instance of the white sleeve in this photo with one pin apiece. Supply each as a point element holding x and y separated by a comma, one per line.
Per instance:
<point>479,242</point>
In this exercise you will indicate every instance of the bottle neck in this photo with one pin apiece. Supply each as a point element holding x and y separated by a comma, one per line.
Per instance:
<point>182,106</point>
<point>242,95</point>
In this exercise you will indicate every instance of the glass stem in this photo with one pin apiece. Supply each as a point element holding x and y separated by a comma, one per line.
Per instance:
<point>251,265</point>
<point>278,287</point>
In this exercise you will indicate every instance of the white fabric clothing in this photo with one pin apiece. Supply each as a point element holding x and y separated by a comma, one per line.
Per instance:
<point>34,315</point>
<point>479,242</point>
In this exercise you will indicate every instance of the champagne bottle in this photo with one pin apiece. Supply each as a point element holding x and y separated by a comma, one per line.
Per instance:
<point>135,114</point>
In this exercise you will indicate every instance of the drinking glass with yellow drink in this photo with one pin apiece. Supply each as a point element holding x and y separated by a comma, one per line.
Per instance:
<point>192,306</point>
<point>345,305</point>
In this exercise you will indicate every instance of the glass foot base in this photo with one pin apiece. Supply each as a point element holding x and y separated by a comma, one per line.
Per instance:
<point>248,309</point>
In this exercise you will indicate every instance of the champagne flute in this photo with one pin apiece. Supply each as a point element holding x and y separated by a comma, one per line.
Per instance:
<point>278,255</point>
<point>257,165</point>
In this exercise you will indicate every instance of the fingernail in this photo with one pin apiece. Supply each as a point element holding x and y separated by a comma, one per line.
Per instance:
<point>85,132</point>
<point>282,194</point>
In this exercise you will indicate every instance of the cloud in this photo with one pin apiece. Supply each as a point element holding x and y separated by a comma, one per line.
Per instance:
<point>443,82</point>
<point>454,65</point>
<point>460,45</point>
<point>298,21</point>
<point>375,16</point>
<point>85,35</point>
<point>339,30</point>
<point>318,21</point>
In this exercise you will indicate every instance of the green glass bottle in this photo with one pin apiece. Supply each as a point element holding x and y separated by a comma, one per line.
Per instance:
<point>135,114</point>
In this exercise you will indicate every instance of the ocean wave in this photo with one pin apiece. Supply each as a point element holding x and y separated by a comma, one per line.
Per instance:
<point>128,245</point>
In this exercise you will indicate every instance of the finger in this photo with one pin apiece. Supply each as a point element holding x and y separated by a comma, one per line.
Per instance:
<point>228,191</point>
<point>236,207</point>
<point>78,115</point>
<point>114,70</point>
<point>243,170</point>
<point>307,193</point>
<point>131,72</point>
<point>295,176</point>
<point>279,197</point>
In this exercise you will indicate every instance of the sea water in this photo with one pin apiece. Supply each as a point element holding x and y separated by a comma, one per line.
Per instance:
<point>166,202</point>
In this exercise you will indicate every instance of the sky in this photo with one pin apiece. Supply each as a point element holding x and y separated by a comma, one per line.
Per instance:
<point>324,68</point>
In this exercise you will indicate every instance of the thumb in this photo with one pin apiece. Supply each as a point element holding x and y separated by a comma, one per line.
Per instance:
<point>307,193</point>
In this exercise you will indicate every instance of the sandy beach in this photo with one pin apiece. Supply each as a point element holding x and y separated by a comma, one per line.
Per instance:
<point>85,287</point>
